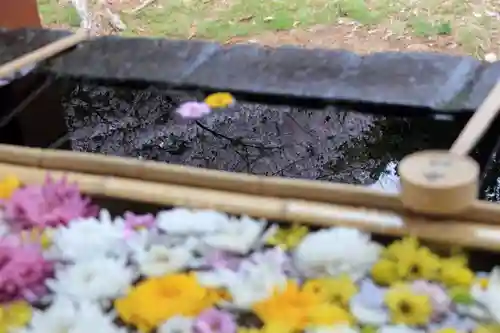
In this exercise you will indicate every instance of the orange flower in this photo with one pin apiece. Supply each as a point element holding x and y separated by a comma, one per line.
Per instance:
<point>156,300</point>
<point>297,309</point>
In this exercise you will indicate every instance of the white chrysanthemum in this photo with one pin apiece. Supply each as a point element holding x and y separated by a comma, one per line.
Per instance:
<point>336,251</point>
<point>251,283</point>
<point>97,280</point>
<point>160,260</point>
<point>177,324</point>
<point>90,238</point>
<point>332,329</point>
<point>368,315</point>
<point>186,222</point>
<point>488,299</point>
<point>66,316</point>
<point>237,235</point>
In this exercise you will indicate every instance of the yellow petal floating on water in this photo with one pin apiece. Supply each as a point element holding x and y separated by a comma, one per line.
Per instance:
<point>219,100</point>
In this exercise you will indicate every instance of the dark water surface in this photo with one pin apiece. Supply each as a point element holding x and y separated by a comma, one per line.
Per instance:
<point>333,145</point>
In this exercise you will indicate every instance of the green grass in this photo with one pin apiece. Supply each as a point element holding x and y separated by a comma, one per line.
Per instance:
<point>55,14</point>
<point>223,19</point>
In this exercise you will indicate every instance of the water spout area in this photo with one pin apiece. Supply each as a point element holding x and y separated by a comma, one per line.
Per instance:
<point>331,145</point>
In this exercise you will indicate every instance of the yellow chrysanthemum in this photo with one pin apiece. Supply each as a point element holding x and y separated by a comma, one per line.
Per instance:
<point>14,316</point>
<point>385,272</point>
<point>419,264</point>
<point>493,328</point>
<point>296,308</point>
<point>400,248</point>
<point>8,185</point>
<point>406,307</point>
<point>335,290</point>
<point>329,315</point>
<point>288,238</point>
<point>156,300</point>
<point>270,328</point>
<point>219,100</point>
<point>455,273</point>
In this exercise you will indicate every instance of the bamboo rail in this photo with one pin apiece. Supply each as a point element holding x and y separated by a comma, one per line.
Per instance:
<point>450,232</point>
<point>319,191</point>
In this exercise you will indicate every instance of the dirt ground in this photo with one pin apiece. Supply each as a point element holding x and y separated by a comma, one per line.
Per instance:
<point>350,37</point>
<point>343,34</point>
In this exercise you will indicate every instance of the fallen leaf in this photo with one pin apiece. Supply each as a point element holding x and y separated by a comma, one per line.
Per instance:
<point>246,18</point>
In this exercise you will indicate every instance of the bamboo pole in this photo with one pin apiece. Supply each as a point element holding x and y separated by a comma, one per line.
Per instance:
<point>470,234</point>
<point>320,191</point>
<point>43,53</point>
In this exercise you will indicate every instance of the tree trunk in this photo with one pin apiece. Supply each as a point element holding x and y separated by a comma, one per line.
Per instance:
<point>19,14</point>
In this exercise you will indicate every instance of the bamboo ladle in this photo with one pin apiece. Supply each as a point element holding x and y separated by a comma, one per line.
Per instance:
<point>43,53</point>
<point>441,181</point>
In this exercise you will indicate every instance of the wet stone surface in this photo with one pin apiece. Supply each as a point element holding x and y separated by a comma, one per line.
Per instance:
<point>334,145</point>
<point>415,81</point>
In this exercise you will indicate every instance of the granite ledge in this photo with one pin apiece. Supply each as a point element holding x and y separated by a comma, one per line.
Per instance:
<point>286,75</point>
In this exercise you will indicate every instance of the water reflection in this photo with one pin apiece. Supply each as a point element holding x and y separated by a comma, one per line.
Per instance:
<point>333,145</point>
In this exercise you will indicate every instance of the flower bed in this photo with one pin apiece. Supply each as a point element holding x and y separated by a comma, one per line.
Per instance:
<point>68,266</point>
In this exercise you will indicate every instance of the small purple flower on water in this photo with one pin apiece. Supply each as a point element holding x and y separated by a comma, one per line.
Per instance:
<point>51,204</point>
<point>193,110</point>
<point>215,321</point>
<point>23,271</point>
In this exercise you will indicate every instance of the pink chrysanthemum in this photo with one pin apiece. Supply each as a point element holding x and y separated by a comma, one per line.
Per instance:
<point>23,271</point>
<point>51,204</point>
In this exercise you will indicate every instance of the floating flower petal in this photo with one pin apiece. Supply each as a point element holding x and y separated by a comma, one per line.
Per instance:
<point>193,110</point>
<point>219,100</point>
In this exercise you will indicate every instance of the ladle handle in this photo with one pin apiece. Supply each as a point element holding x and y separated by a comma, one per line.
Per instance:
<point>43,53</point>
<point>479,123</point>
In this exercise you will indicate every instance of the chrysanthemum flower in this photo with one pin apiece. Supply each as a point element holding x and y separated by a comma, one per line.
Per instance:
<point>335,290</point>
<point>154,301</point>
<point>89,238</point>
<point>67,316</point>
<point>407,307</point>
<point>336,251</point>
<point>215,321</point>
<point>159,260</point>
<point>23,271</point>
<point>136,222</point>
<point>177,324</point>
<point>287,238</point>
<point>94,280</point>
<point>298,308</point>
<point>454,272</point>
<point>14,316</point>
<point>9,185</point>
<point>51,204</point>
